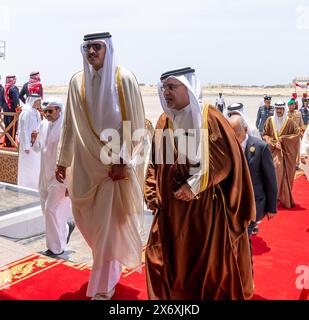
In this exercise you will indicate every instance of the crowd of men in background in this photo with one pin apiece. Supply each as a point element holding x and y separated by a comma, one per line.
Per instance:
<point>10,98</point>
<point>282,127</point>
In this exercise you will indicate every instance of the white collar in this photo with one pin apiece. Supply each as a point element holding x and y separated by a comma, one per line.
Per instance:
<point>182,111</point>
<point>95,72</point>
<point>244,143</point>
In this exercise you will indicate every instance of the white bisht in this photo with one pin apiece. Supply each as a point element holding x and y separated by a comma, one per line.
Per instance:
<point>28,163</point>
<point>108,213</point>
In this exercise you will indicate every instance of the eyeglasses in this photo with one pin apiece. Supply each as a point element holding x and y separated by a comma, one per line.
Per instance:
<point>50,111</point>
<point>94,46</point>
<point>170,86</point>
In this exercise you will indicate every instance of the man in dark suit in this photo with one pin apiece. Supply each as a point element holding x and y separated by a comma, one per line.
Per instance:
<point>262,171</point>
<point>2,100</point>
<point>33,86</point>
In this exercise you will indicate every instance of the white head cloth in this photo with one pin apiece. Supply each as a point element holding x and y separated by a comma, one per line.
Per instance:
<point>241,111</point>
<point>252,131</point>
<point>30,102</point>
<point>194,90</point>
<point>52,102</point>
<point>280,121</point>
<point>193,111</point>
<point>54,127</point>
<point>104,109</point>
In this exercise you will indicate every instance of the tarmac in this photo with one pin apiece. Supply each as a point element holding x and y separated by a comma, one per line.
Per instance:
<point>77,249</point>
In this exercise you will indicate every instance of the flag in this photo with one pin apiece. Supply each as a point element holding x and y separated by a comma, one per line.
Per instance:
<point>298,85</point>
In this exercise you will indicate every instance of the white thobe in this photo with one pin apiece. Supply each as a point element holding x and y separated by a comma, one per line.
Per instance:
<point>56,207</point>
<point>182,119</point>
<point>108,213</point>
<point>28,163</point>
<point>105,277</point>
<point>279,123</point>
<point>304,149</point>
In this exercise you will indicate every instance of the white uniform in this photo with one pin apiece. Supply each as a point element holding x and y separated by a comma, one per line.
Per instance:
<point>28,163</point>
<point>220,101</point>
<point>304,149</point>
<point>56,207</point>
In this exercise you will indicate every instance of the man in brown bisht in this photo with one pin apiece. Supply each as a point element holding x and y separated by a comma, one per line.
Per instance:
<point>202,201</point>
<point>282,135</point>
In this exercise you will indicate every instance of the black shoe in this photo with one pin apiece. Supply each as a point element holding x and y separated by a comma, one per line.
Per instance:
<point>255,230</point>
<point>71,228</point>
<point>51,254</point>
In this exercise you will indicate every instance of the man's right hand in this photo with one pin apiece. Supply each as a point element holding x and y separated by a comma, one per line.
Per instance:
<point>60,173</point>
<point>34,135</point>
<point>303,158</point>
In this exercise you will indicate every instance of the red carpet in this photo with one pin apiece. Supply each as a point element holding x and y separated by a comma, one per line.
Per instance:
<point>279,248</point>
<point>38,277</point>
<point>281,245</point>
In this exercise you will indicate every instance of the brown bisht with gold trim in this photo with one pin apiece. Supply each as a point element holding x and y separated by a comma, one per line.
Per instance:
<point>200,249</point>
<point>285,159</point>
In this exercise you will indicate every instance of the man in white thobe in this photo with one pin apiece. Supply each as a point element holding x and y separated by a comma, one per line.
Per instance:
<point>107,199</point>
<point>28,160</point>
<point>56,206</point>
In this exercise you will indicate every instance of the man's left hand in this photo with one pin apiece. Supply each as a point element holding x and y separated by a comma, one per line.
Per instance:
<point>184,193</point>
<point>278,145</point>
<point>34,135</point>
<point>118,172</point>
<point>303,158</point>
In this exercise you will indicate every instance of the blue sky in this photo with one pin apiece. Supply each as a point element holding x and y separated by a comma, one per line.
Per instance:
<point>236,42</point>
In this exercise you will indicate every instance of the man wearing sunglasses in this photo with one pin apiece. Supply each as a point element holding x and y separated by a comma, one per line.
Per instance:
<point>107,200</point>
<point>54,202</point>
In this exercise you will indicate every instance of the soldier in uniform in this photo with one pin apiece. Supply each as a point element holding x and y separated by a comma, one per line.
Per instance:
<point>220,103</point>
<point>294,114</point>
<point>303,99</point>
<point>265,111</point>
<point>11,96</point>
<point>33,86</point>
<point>305,112</point>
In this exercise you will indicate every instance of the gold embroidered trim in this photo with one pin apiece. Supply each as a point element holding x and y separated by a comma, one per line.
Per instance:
<point>205,149</point>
